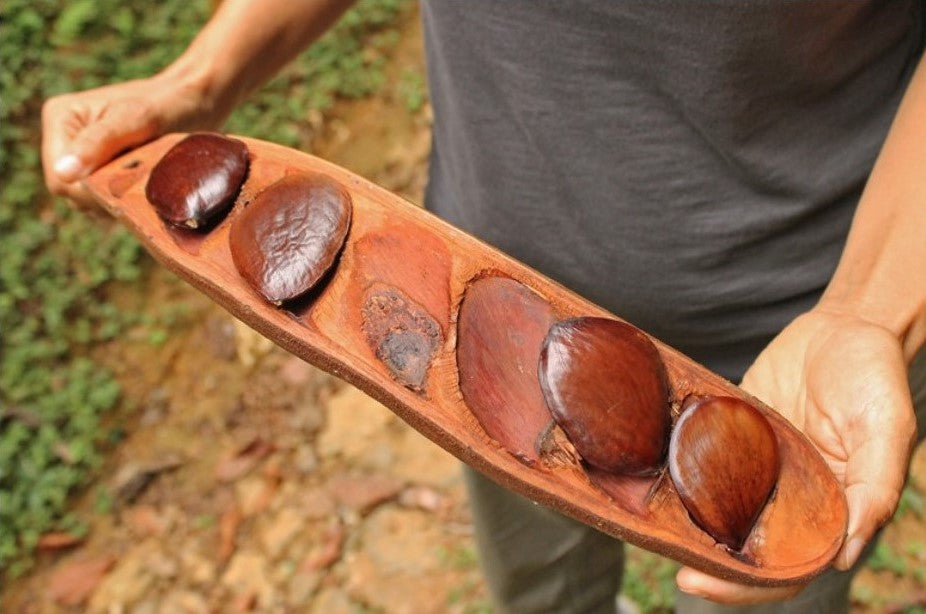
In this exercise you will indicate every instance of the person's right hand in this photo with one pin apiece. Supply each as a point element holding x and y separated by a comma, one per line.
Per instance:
<point>84,130</point>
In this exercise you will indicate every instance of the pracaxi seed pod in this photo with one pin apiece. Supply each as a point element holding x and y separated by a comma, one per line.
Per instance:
<point>196,182</point>
<point>607,388</point>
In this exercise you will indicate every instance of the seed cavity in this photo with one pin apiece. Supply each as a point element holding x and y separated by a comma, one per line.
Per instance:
<point>502,324</point>
<point>401,333</point>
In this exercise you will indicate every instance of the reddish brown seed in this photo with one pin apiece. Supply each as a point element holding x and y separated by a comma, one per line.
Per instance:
<point>723,459</point>
<point>290,234</point>
<point>501,328</point>
<point>196,182</point>
<point>607,388</point>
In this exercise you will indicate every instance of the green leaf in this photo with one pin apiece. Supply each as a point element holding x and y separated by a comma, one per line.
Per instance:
<point>57,266</point>
<point>74,19</point>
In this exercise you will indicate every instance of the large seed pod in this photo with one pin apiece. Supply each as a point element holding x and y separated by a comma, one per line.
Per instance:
<point>198,179</point>
<point>290,234</point>
<point>607,388</point>
<point>723,459</point>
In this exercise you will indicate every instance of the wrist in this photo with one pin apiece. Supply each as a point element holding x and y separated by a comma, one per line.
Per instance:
<point>901,314</point>
<point>198,90</point>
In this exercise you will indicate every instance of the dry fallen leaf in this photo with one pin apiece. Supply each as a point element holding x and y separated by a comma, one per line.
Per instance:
<point>328,552</point>
<point>146,520</point>
<point>423,498</point>
<point>245,602</point>
<point>242,460</point>
<point>228,529</point>
<point>133,478</point>
<point>74,581</point>
<point>363,492</point>
<point>57,540</point>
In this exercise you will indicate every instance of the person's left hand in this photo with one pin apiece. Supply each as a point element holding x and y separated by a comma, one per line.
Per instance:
<point>843,382</point>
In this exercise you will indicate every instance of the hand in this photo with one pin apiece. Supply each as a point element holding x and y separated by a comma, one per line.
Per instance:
<point>243,44</point>
<point>84,130</point>
<point>843,382</point>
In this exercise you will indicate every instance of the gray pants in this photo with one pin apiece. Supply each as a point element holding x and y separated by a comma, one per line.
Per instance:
<point>536,560</point>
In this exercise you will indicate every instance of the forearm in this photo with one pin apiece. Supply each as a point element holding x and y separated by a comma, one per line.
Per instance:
<point>881,276</point>
<point>245,43</point>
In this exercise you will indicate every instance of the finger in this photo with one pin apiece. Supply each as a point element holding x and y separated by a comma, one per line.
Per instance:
<point>879,454</point>
<point>702,585</point>
<point>60,118</point>
<point>56,114</point>
<point>762,382</point>
<point>772,378</point>
<point>118,128</point>
<point>872,501</point>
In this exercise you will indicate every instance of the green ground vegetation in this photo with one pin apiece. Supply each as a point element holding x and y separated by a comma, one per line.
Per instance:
<point>56,265</point>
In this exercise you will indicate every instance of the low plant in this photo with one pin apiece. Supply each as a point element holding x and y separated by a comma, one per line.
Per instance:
<point>649,580</point>
<point>57,265</point>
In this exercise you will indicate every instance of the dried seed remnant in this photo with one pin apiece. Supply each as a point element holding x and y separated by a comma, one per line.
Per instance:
<point>290,235</point>
<point>607,387</point>
<point>401,333</point>
<point>724,462</point>
<point>196,182</point>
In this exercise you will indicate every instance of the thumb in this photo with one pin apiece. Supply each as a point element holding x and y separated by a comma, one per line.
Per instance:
<point>870,506</point>
<point>117,129</point>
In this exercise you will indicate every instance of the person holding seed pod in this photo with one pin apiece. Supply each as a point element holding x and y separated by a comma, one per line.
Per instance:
<point>744,182</point>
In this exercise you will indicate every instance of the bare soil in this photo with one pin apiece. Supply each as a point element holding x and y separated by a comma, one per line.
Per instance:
<point>251,481</point>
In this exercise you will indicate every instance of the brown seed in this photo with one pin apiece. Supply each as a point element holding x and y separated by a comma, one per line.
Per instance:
<point>606,386</point>
<point>723,459</point>
<point>290,235</point>
<point>501,328</point>
<point>196,182</point>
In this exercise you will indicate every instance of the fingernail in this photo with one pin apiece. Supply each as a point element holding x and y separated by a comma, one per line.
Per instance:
<point>68,167</point>
<point>687,584</point>
<point>852,552</point>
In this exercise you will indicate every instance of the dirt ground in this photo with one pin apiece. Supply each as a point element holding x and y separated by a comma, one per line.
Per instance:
<point>250,481</point>
<point>260,483</point>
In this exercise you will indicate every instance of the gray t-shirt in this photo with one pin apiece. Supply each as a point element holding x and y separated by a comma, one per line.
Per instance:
<point>691,166</point>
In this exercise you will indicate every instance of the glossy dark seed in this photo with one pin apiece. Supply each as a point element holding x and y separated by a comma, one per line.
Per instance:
<point>196,182</point>
<point>606,386</point>
<point>723,459</point>
<point>290,234</point>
